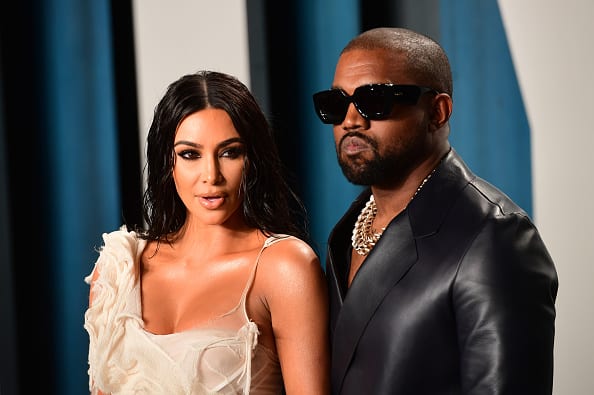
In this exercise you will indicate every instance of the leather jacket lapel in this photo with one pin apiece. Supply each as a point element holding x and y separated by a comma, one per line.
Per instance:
<point>352,311</point>
<point>376,277</point>
<point>339,242</point>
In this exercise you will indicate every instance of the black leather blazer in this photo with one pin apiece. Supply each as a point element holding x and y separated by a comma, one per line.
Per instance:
<point>457,297</point>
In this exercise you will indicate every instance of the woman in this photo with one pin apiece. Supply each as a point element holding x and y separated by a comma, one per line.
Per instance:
<point>220,293</point>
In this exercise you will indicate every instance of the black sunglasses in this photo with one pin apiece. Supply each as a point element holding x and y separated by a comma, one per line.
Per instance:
<point>374,101</point>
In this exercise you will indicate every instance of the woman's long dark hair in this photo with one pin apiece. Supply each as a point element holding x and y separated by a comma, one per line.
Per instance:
<point>269,203</point>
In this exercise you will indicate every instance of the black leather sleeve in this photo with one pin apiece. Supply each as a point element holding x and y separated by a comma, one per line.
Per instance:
<point>504,300</point>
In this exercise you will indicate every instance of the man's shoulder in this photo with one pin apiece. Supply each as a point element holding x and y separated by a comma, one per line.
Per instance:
<point>495,196</point>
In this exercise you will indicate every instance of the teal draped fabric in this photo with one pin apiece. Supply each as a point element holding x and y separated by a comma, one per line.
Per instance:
<point>59,185</point>
<point>82,164</point>
<point>326,28</point>
<point>8,356</point>
<point>489,123</point>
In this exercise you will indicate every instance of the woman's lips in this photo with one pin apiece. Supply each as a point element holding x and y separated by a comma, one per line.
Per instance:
<point>211,202</point>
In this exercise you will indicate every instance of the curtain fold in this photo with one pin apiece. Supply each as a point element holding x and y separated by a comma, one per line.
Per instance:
<point>63,188</point>
<point>8,356</point>
<point>83,163</point>
<point>489,126</point>
<point>324,28</point>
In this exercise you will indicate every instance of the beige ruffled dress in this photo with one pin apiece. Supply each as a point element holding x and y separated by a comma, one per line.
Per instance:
<point>124,358</point>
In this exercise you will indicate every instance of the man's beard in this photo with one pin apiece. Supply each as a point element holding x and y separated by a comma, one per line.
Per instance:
<point>378,170</point>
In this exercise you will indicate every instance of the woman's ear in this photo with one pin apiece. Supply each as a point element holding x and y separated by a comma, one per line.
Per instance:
<point>442,109</point>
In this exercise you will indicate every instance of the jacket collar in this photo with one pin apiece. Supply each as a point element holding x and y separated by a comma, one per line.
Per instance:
<point>380,271</point>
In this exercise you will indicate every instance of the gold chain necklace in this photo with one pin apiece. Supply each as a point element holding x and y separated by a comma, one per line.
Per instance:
<point>364,238</point>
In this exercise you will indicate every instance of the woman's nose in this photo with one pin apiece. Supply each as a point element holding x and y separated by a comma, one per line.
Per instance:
<point>211,173</point>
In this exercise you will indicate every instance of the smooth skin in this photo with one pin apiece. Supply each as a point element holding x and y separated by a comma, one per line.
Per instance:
<point>201,275</point>
<point>417,135</point>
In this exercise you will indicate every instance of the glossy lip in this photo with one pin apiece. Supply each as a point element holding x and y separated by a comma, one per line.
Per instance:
<point>353,145</point>
<point>211,201</point>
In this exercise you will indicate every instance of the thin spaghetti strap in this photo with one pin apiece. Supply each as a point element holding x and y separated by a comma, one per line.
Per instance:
<point>267,243</point>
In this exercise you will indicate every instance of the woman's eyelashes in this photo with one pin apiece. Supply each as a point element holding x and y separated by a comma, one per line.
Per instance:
<point>188,154</point>
<point>230,152</point>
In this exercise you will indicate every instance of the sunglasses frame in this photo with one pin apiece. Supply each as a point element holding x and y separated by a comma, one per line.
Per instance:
<point>393,94</point>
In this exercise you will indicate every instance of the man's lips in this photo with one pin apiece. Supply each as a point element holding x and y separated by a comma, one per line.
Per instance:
<point>352,145</point>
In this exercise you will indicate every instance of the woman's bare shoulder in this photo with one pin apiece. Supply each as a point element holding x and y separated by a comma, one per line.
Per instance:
<point>292,251</point>
<point>289,262</point>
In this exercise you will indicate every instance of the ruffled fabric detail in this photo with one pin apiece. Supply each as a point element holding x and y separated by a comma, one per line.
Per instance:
<point>249,333</point>
<point>105,320</point>
<point>126,359</point>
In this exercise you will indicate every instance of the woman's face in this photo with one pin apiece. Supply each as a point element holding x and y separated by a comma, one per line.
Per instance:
<point>208,166</point>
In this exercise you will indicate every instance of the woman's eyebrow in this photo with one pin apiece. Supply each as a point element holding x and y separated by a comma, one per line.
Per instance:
<point>221,144</point>
<point>185,142</point>
<point>231,141</point>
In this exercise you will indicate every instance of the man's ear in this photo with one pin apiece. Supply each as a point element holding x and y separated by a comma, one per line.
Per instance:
<point>442,109</point>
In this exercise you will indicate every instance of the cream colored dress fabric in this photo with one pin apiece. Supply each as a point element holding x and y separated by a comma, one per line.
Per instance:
<point>223,358</point>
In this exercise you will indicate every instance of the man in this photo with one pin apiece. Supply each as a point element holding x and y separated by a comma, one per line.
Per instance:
<point>439,283</point>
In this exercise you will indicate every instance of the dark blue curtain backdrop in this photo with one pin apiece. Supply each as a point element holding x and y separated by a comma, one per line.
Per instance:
<point>303,40</point>
<point>64,177</point>
<point>8,379</point>
<point>70,166</point>
<point>489,123</point>
<point>324,29</point>
<point>82,165</point>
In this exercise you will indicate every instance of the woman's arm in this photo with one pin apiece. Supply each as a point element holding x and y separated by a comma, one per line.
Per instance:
<point>298,303</point>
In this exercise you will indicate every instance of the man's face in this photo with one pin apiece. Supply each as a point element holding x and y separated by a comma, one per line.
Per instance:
<point>379,152</point>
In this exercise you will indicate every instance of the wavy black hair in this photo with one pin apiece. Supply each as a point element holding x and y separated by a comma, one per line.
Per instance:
<point>269,203</point>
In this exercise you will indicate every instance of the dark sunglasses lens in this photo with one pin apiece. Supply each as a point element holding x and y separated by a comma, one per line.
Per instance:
<point>373,101</point>
<point>407,94</point>
<point>331,106</point>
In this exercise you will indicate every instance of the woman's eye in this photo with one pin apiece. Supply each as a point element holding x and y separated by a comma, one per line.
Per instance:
<point>232,152</point>
<point>189,154</point>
